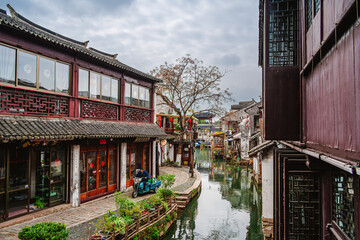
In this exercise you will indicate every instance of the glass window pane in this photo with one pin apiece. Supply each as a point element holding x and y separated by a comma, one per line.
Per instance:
<point>146,158</point>
<point>94,85</point>
<point>42,176</point>
<point>103,169</point>
<point>147,98</point>
<point>83,178</point>
<point>115,90</point>
<point>2,171</point>
<point>92,169</point>
<point>83,83</point>
<point>58,165</point>
<point>47,74</point>
<point>7,64</point>
<point>27,69</point>
<point>18,202</point>
<point>127,93</point>
<point>2,206</point>
<point>19,170</point>
<point>142,96</point>
<point>57,192</point>
<point>135,95</point>
<point>62,77</point>
<point>105,88</point>
<point>112,166</point>
<point>133,162</point>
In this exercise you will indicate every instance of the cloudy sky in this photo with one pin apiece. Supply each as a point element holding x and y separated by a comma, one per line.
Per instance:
<point>146,33</point>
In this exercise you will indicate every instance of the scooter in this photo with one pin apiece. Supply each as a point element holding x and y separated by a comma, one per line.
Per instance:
<point>140,187</point>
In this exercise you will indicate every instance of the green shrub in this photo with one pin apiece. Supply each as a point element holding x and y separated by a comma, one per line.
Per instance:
<point>167,218</point>
<point>44,230</point>
<point>155,199</point>
<point>110,222</point>
<point>167,180</point>
<point>166,193</point>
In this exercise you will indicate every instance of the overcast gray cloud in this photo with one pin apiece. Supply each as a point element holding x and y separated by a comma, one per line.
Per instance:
<point>146,33</point>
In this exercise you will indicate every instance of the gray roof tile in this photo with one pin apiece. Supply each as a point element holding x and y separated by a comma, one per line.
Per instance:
<point>38,128</point>
<point>20,23</point>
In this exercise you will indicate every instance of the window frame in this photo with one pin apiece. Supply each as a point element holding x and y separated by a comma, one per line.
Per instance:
<point>38,56</point>
<point>101,86</point>
<point>147,102</point>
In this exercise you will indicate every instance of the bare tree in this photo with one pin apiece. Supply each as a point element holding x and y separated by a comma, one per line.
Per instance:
<point>188,87</point>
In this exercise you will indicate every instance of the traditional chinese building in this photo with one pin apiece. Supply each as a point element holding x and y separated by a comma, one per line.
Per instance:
<point>75,123</point>
<point>309,51</point>
<point>168,120</point>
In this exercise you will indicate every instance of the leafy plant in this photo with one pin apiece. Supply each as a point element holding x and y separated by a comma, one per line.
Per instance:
<point>127,220</point>
<point>165,205</point>
<point>155,199</point>
<point>44,230</point>
<point>38,203</point>
<point>167,218</point>
<point>166,193</point>
<point>145,204</point>
<point>167,180</point>
<point>155,233</point>
<point>110,222</point>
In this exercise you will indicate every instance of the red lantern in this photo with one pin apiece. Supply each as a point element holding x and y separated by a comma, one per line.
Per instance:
<point>190,120</point>
<point>171,119</point>
<point>91,165</point>
<point>247,116</point>
<point>103,163</point>
<point>227,123</point>
<point>247,120</point>
<point>247,125</point>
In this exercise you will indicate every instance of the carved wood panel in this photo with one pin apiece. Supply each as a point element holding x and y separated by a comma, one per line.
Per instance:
<point>98,110</point>
<point>21,102</point>
<point>137,115</point>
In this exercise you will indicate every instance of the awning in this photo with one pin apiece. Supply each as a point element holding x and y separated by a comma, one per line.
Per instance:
<point>260,147</point>
<point>20,128</point>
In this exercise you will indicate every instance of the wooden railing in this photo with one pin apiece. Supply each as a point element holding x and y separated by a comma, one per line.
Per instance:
<point>146,220</point>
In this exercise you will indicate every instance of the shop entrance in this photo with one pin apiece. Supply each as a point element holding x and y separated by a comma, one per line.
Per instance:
<point>31,179</point>
<point>137,156</point>
<point>97,170</point>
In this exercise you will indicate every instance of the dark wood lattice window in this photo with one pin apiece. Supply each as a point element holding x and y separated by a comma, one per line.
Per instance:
<point>309,13</point>
<point>304,206</point>
<point>317,6</point>
<point>283,32</point>
<point>343,203</point>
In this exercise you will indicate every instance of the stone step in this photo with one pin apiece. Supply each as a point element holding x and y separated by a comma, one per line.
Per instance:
<point>181,202</point>
<point>182,198</point>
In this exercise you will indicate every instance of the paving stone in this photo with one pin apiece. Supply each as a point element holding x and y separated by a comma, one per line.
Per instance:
<point>78,219</point>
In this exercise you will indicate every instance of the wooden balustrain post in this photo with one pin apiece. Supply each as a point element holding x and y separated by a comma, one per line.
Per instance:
<point>137,224</point>
<point>148,218</point>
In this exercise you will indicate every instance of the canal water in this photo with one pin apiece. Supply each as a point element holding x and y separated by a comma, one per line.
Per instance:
<point>229,206</point>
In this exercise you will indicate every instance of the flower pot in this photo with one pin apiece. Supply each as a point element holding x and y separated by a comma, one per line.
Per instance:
<point>96,237</point>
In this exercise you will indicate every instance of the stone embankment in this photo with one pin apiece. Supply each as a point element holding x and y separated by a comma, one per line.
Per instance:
<point>78,220</point>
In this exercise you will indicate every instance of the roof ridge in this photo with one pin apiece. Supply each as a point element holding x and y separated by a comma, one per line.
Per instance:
<point>23,24</point>
<point>23,19</point>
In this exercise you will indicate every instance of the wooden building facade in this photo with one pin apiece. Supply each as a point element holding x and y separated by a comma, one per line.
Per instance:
<point>75,123</point>
<point>309,51</point>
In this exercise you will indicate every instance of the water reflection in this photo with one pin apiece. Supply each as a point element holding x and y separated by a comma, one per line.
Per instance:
<point>229,206</point>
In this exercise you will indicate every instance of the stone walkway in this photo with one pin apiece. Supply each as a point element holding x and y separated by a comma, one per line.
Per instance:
<point>78,220</point>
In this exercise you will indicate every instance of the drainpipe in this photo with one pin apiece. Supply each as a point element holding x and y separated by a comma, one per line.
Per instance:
<point>332,161</point>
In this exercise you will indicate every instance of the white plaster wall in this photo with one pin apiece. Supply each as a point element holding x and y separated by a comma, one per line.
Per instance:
<point>75,184</point>
<point>255,165</point>
<point>123,148</point>
<point>267,184</point>
<point>171,153</point>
